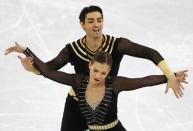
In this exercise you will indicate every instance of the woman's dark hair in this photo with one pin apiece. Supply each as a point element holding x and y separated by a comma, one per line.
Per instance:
<point>87,10</point>
<point>102,57</point>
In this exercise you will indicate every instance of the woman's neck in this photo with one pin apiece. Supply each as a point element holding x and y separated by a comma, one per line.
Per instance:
<point>93,43</point>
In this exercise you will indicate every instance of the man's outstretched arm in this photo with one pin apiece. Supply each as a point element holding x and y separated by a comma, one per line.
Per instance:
<point>59,61</point>
<point>127,47</point>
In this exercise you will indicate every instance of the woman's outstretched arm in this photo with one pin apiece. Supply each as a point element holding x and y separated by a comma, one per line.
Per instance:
<point>46,71</point>
<point>126,84</point>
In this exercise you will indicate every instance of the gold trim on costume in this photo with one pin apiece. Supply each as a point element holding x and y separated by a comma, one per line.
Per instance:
<point>78,53</point>
<point>166,69</point>
<point>105,41</point>
<point>112,46</point>
<point>79,50</point>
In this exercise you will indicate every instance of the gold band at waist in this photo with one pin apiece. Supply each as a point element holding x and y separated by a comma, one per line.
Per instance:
<point>103,127</point>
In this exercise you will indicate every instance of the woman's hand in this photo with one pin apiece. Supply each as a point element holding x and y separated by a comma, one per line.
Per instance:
<point>17,48</point>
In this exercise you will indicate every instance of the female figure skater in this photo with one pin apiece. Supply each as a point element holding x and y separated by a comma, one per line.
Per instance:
<point>97,93</point>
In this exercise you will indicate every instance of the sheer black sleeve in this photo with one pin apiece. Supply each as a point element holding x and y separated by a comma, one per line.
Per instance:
<point>126,84</point>
<point>127,47</point>
<point>59,61</point>
<point>58,76</point>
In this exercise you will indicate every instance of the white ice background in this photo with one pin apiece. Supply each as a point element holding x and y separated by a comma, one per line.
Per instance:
<point>34,103</point>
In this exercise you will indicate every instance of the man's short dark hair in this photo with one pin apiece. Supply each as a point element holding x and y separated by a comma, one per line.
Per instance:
<point>87,10</point>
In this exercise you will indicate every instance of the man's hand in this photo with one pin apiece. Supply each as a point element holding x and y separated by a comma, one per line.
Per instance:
<point>17,48</point>
<point>175,83</point>
<point>181,76</point>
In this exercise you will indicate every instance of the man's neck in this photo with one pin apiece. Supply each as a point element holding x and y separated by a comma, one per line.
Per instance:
<point>93,43</point>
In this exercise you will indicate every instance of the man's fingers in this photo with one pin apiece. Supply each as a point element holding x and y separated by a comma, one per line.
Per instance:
<point>185,71</point>
<point>181,86</point>
<point>186,75</point>
<point>166,91</point>
<point>185,82</point>
<point>180,92</point>
<point>180,89</point>
<point>175,93</point>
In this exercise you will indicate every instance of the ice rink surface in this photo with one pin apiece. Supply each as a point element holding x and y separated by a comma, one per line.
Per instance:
<point>33,103</point>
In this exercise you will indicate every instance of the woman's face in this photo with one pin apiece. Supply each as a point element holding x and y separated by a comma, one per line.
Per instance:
<point>98,72</point>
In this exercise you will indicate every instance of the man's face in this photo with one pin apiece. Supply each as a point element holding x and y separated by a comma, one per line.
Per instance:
<point>93,24</point>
